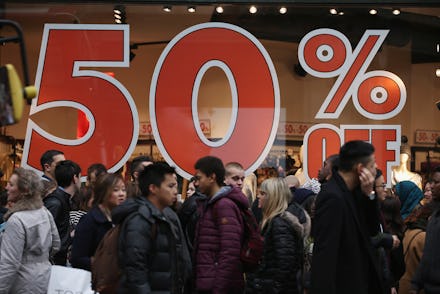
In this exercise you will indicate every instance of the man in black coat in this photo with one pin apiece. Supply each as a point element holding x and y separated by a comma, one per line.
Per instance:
<point>153,254</point>
<point>346,217</point>
<point>427,276</point>
<point>67,175</point>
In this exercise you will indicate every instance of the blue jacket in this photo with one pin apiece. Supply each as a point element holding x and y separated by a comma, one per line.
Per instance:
<point>89,232</point>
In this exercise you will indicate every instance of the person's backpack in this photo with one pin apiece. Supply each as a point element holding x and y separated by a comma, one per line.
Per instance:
<point>253,243</point>
<point>106,271</point>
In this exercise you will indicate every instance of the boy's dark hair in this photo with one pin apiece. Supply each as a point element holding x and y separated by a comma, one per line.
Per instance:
<point>212,165</point>
<point>3,198</point>
<point>47,157</point>
<point>354,152</point>
<point>98,168</point>
<point>136,164</point>
<point>153,174</point>
<point>65,171</point>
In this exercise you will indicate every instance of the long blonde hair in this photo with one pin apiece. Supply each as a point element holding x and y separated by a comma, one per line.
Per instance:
<point>277,199</point>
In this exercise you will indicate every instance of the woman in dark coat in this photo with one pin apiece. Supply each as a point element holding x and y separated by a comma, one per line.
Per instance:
<point>109,192</point>
<point>283,242</point>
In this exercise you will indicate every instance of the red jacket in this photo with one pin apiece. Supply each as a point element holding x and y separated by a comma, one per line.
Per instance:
<point>218,240</point>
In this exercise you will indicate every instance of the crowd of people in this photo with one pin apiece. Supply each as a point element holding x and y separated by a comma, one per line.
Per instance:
<point>343,232</point>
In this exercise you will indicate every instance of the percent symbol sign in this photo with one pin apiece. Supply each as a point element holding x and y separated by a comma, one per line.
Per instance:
<point>327,53</point>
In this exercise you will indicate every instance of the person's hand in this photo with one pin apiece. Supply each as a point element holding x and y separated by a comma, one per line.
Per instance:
<point>396,241</point>
<point>367,181</point>
<point>393,290</point>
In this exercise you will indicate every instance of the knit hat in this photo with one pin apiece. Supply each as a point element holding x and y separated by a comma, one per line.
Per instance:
<point>409,195</point>
<point>301,194</point>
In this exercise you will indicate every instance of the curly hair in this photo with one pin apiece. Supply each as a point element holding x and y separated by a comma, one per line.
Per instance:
<point>28,183</point>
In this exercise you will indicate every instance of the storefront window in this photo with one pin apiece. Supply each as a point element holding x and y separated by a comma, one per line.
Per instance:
<point>359,71</point>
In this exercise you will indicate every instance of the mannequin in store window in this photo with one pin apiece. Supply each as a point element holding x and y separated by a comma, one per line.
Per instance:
<point>300,172</point>
<point>401,172</point>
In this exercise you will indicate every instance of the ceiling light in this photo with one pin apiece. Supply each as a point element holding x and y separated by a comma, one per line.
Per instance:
<point>253,9</point>
<point>119,14</point>
<point>341,13</point>
<point>437,72</point>
<point>396,11</point>
<point>167,8</point>
<point>192,9</point>
<point>373,11</point>
<point>283,10</point>
<point>333,11</point>
<point>219,9</point>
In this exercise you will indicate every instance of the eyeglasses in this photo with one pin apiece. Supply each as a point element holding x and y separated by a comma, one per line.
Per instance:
<point>383,186</point>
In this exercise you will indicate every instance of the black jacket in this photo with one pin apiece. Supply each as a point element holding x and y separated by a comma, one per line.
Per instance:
<point>58,203</point>
<point>188,216</point>
<point>153,254</point>
<point>88,233</point>
<point>282,257</point>
<point>344,261</point>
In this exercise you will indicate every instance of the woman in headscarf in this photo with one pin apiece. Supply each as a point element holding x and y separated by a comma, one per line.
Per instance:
<point>409,195</point>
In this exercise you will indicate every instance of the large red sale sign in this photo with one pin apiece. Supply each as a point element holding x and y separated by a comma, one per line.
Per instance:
<point>63,80</point>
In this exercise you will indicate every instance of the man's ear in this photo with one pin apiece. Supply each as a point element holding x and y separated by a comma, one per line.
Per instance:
<point>359,167</point>
<point>153,189</point>
<point>213,177</point>
<point>46,167</point>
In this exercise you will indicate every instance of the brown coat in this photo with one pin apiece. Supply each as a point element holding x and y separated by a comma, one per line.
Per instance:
<point>413,244</point>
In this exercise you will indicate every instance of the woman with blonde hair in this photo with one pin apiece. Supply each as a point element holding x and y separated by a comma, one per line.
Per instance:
<point>30,238</point>
<point>283,242</point>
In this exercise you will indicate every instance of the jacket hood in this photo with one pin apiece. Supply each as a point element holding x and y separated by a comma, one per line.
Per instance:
<point>25,203</point>
<point>120,212</point>
<point>303,229</point>
<point>233,193</point>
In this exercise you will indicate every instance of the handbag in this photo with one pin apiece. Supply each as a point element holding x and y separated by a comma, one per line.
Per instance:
<point>69,280</point>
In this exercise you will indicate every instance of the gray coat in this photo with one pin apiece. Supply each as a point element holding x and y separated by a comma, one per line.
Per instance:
<point>29,239</point>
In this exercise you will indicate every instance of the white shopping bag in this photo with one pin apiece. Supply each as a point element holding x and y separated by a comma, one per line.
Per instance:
<point>69,280</point>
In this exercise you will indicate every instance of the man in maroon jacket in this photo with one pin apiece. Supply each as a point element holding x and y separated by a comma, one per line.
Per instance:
<point>219,231</point>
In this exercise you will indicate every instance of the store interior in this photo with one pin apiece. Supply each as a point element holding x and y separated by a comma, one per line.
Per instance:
<point>411,51</point>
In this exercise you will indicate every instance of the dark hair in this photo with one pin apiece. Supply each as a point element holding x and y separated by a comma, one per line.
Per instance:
<point>378,174</point>
<point>81,199</point>
<point>3,198</point>
<point>354,152</point>
<point>98,168</point>
<point>47,157</point>
<point>65,171</point>
<point>391,212</point>
<point>103,186</point>
<point>212,165</point>
<point>154,174</point>
<point>334,161</point>
<point>437,169</point>
<point>136,163</point>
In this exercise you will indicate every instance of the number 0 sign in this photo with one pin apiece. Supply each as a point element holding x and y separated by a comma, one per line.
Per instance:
<point>174,92</point>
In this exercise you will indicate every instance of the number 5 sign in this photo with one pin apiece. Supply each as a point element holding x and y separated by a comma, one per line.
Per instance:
<point>114,125</point>
<point>62,82</point>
